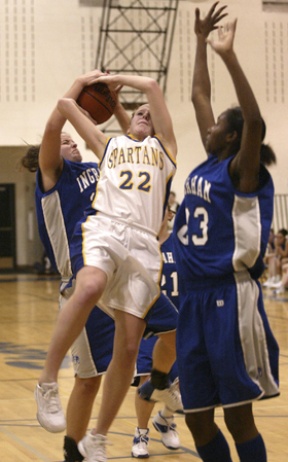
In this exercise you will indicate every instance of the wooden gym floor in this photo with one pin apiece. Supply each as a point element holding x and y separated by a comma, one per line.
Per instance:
<point>29,305</point>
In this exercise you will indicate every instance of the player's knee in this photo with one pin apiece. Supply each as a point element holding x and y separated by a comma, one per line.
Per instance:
<point>169,340</point>
<point>127,354</point>
<point>131,350</point>
<point>90,290</point>
<point>192,423</point>
<point>240,422</point>
<point>201,426</point>
<point>89,386</point>
<point>90,283</point>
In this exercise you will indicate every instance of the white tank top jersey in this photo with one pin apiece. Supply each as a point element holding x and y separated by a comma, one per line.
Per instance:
<point>135,180</point>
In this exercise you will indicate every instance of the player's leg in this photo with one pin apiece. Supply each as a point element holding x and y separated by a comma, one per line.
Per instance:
<point>78,415</point>
<point>164,421</point>
<point>128,333</point>
<point>90,283</point>
<point>162,321</point>
<point>249,443</point>
<point>158,387</point>
<point>164,352</point>
<point>259,352</point>
<point>91,355</point>
<point>131,294</point>
<point>210,443</point>
<point>197,384</point>
<point>143,412</point>
<point>140,444</point>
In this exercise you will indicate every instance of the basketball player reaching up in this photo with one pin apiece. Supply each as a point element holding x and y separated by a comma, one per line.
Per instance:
<point>226,352</point>
<point>92,350</point>
<point>120,261</point>
<point>61,176</point>
<point>65,187</point>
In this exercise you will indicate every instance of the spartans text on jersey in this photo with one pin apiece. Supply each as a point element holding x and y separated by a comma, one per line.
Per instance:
<point>145,155</point>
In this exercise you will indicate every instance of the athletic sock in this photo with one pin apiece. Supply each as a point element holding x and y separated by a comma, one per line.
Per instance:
<point>215,451</point>
<point>166,413</point>
<point>71,452</point>
<point>252,450</point>
<point>159,380</point>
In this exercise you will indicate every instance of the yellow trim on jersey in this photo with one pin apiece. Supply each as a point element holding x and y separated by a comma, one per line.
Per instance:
<point>166,150</point>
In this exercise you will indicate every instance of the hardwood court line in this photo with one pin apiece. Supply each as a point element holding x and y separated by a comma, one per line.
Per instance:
<point>16,440</point>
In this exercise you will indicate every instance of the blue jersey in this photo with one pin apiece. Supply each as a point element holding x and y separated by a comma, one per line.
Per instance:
<point>218,230</point>
<point>59,209</point>
<point>169,280</point>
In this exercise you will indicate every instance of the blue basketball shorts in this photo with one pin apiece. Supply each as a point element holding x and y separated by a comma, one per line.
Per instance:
<point>226,352</point>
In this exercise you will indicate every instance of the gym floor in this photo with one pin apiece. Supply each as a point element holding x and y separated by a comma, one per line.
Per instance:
<point>29,306</point>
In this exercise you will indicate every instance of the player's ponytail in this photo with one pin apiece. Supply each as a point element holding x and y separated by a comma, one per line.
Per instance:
<point>267,155</point>
<point>30,160</point>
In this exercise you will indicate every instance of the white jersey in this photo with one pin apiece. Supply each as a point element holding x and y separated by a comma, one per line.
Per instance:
<point>135,180</point>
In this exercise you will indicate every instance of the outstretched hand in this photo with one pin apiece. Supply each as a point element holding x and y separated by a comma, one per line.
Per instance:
<point>209,23</point>
<point>90,77</point>
<point>226,35</point>
<point>111,80</point>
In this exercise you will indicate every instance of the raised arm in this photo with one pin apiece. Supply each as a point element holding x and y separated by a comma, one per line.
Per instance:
<point>201,86</point>
<point>86,128</point>
<point>245,165</point>
<point>160,116</point>
<point>50,160</point>
<point>121,115</point>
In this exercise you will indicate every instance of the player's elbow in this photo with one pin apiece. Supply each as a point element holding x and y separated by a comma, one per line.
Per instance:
<point>63,105</point>
<point>152,86</point>
<point>198,99</point>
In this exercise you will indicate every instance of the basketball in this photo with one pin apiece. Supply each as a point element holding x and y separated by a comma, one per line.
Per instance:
<point>98,100</point>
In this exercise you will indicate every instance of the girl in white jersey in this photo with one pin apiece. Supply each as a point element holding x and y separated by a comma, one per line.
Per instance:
<point>117,257</point>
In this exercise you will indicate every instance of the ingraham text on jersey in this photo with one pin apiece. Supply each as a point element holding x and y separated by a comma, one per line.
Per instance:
<point>168,257</point>
<point>145,155</point>
<point>198,187</point>
<point>90,176</point>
